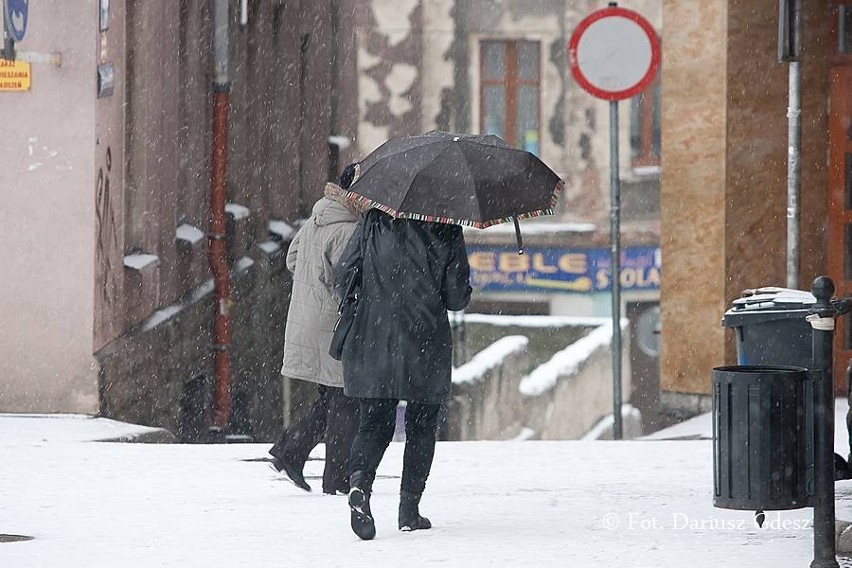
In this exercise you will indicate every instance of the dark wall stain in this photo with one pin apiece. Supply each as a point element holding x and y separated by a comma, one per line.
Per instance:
<point>408,51</point>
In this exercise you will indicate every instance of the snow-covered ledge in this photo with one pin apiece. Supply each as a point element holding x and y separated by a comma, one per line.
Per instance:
<point>141,262</point>
<point>495,397</point>
<point>141,285</point>
<point>281,231</point>
<point>189,235</point>
<point>236,211</point>
<point>567,396</point>
<point>566,362</point>
<point>489,358</point>
<point>486,400</point>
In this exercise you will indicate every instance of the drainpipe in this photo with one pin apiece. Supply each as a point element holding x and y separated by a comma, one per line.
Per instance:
<point>217,233</point>
<point>790,50</point>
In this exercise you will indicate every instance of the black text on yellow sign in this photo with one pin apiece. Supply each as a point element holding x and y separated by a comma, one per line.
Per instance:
<point>15,75</point>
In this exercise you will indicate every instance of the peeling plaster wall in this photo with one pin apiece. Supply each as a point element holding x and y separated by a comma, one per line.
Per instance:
<point>390,54</point>
<point>438,74</point>
<point>418,69</point>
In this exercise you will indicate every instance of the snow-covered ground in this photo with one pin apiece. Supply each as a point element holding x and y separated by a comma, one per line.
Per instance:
<point>519,504</point>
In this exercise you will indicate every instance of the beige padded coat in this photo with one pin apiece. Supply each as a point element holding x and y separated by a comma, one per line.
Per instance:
<point>313,305</point>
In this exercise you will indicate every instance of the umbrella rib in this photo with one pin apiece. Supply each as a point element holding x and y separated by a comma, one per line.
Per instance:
<point>473,180</point>
<point>475,188</point>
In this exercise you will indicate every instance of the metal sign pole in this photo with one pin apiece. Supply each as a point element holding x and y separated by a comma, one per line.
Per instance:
<point>8,47</point>
<point>8,41</point>
<point>613,65</point>
<point>615,278</point>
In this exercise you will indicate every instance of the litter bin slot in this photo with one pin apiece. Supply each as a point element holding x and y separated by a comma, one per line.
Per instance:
<point>759,437</point>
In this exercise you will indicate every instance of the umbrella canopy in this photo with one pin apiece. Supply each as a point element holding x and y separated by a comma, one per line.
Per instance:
<point>462,179</point>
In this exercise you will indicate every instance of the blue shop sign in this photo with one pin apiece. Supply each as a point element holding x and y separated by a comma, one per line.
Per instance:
<point>16,15</point>
<point>557,270</point>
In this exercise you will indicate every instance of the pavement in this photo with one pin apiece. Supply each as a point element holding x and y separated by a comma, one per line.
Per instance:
<point>82,501</point>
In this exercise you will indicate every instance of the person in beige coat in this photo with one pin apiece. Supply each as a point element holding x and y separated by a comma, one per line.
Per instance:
<point>310,322</point>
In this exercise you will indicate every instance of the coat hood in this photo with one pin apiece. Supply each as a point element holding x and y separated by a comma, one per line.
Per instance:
<point>333,208</point>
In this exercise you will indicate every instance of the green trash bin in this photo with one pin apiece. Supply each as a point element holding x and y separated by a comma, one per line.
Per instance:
<point>770,327</point>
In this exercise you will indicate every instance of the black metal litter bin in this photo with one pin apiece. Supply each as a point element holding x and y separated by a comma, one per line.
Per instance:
<point>759,440</point>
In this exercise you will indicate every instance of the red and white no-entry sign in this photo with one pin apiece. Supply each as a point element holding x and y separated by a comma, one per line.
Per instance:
<point>614,53</point>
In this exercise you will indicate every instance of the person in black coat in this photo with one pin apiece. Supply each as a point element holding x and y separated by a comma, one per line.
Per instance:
<point>399,348</point>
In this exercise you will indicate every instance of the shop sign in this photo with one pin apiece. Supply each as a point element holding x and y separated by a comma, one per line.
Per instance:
<point>14,75</point>
<point>557,270</point>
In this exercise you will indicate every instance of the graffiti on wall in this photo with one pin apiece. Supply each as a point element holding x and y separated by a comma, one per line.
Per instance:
<point>107,234</point>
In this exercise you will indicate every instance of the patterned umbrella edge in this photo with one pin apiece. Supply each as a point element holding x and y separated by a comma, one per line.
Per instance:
<point>368,203</point>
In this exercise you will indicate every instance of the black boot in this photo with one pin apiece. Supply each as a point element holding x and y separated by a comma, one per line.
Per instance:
<point>409,513</point>
<point>361,518</point>
<point>293,473</point>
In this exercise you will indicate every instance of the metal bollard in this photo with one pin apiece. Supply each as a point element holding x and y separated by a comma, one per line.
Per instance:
<point>821,317</point>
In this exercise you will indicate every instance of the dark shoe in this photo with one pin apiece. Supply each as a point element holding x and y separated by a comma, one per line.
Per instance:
<point>361,518</point>
<point>296,476</point>
<point>409,513</point>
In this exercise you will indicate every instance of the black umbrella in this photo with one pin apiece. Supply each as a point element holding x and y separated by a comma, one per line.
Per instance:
<point>462,179</point>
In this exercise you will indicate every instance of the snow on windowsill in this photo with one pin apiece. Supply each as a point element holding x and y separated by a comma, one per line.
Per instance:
<point>281,229</point>
<point>489,358</point>
<point>237,211</point>
<point>645,171</point>
<point>189,233</point>
<point>140,261</point>
<point>269,247</point>
<point>243,264</point>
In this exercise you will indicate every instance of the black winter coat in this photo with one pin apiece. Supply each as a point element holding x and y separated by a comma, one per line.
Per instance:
<point>400,344</point>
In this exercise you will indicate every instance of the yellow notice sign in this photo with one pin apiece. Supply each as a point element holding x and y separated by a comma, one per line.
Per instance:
<point>14,75</point>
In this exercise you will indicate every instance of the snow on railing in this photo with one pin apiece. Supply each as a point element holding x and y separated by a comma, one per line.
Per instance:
<point>489,358</point>
<point>566,362</point>
<point>161,316</point>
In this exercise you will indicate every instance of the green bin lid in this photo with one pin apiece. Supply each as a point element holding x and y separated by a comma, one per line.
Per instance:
<point>762,305</point>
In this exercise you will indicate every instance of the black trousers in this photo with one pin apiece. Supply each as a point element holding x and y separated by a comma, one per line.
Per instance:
<point>334,417</point>
<point>375,431</point>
